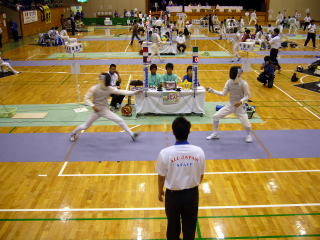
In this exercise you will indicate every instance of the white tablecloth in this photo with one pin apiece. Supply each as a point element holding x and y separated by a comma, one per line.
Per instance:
<point>229,8</point>
<point>165,48</point>
<point>190,8</point>
<point>153,102</point>
<point>174,9</point>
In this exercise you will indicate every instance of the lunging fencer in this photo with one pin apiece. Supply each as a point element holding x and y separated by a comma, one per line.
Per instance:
<point>239,94</point>
<point>100,94</point>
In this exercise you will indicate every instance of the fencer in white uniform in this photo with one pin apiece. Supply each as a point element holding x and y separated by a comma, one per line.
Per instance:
<point>236,46</point>
<point>7,65</point>
<point>253,17</point>
<point>156,43</point>
<point>100,94</point>
<point>239,94</point>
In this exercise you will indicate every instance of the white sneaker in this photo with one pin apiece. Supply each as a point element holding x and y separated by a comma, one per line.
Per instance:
<point>249,138</point>
<point>73,137</point>
<point>213,136</point>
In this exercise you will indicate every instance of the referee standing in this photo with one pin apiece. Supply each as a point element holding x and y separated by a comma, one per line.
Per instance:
<point>180,169</point>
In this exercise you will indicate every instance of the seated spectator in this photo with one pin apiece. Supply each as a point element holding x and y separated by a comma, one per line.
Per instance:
<point>267,76</point>
<point>169,76</point>
<point>64,35</point>
<point>181,42</point>
<point>154,78</point>
<point>7,65</point>
<point>246,35</point>
<point>188,77</point>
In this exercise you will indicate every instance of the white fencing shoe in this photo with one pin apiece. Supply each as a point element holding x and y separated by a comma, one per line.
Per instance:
<point>213,136</point>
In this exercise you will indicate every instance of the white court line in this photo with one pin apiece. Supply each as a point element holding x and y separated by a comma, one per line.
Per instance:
<point>156,208</point>
<point>206,173</point>
<point>62,169</point>
<point>70,73</point>
<point>300,104</point>
<point>127,87</point>
<point>219,45</point>
<point>125,51</point>
<point>132,127</point>
<point>303,78</point>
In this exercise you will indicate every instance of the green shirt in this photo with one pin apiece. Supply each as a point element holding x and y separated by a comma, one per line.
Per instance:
<point>169,78</point>
<point>154,80</point>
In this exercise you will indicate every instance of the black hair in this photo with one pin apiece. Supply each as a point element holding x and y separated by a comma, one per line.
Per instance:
<point>106,78</point>
<point>181,128</point>
<point>169,65</point>
<point>267,58</point>
<point>276,30</point>
<point>112,65</point>
<point>153,66</point>
<point>248,31</point>
<point>188,68</point>
<point>233,73</point>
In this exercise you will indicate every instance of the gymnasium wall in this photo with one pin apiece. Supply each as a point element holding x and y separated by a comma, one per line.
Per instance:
<point>92,6</point>
<point>292,5</point>
<point>4,27</point>
<point>41,26</point>
<point>12,15</point>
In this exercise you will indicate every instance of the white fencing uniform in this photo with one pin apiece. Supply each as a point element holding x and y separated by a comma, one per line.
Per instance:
<point>6,64</point>
<point>253,17</point>
<point>155,47</point>
<point>293,26</point>
<point>279,18</point>
<point>236,44</point>
<point>100,93</point>
<point>239,91</point>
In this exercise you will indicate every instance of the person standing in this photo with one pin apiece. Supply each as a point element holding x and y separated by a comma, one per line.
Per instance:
<point>239,94</point>
<point>181,42</point>
<point>293,26</point>
<point>279,18</point>
<point>14,31</point>
<point>100,94</point>
<point>73,25</point>
<point>275,44</point>
<point>210,20</point>
<point>180,170</point>
<point>115,82</point>
<point>307,21</point>
<point>253,17</point>
<point>156,44</point>
<point>311,34</point>
<point>1,38</point>
<point>135,32</point>
<point>236,47</point>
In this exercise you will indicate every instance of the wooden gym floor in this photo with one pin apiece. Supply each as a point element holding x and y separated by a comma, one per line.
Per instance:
<point>258,198</point>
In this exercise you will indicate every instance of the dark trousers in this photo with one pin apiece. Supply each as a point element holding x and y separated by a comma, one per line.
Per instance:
<point>306,24</point>
<point>0,40</point>
<point>133,36</point>
<point>182,205</point>
<point>273,57</point>
<point>311,36</point>
<point>116,99</point>
<point>73,30</point>
<point>183,46</point>
<point>210,27</point>
<point>15,35</point>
